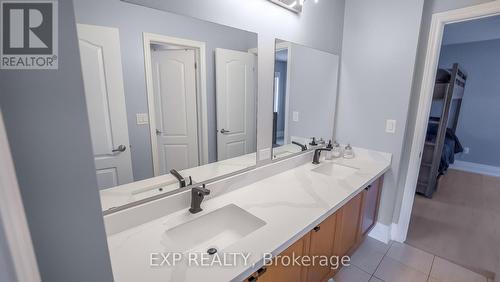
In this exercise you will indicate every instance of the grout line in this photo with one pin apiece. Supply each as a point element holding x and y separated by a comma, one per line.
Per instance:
<point>430,271</point>
<point>362,270</point>
<point>380,262</point>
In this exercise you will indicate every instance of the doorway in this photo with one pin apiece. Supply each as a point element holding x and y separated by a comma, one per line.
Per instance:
<point>175,75</point>
<point>463,221</point>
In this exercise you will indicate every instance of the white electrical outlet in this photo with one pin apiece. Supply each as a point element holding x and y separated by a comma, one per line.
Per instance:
<point>390,126</point>
<point>466,150</point>
<point>295,116</point>
<point>142,118</point>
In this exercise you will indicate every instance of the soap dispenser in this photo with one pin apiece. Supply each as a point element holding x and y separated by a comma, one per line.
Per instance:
<point>336,150</point>
<point>348,152</point>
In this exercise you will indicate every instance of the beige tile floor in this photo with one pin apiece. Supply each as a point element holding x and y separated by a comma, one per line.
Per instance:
<point>461,222</point>
<point>396,262</point>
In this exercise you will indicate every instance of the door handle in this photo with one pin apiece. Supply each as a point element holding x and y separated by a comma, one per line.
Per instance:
<point>120,149</point>
<point>158,132</point>
<point>224,131</point>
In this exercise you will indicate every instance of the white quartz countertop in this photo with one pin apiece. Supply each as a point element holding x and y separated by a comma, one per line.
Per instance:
<point>138,190</point>
<point>291,204</point>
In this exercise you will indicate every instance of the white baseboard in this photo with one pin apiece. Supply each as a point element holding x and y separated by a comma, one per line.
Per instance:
<point>476,168</point>
<point>381,232</point>
<point>385,233</point>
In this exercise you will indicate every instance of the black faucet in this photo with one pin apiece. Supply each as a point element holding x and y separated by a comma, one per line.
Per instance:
<point>317,154</point>
<point>302,147</point>
<point>197,196</point>
<point>182,180</point>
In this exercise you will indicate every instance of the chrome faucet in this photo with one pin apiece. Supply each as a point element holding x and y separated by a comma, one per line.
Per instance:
<point>317,154</point>
<point>197,196</point>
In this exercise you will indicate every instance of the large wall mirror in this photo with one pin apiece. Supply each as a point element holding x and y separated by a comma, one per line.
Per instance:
<point>171,99</point>
<point>305,95</point>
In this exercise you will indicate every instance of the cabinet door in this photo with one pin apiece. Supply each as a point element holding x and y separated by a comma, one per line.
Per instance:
<point>278,272</point>
<point>322,241</point>
<point>371,198</point>
<point>348,226</point>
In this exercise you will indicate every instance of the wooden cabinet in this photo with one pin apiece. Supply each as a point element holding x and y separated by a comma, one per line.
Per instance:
<point>321,244</point>
<point>349,218</point>
<point>278,272</point>
<point>338,235</point>
<point>371,201</point>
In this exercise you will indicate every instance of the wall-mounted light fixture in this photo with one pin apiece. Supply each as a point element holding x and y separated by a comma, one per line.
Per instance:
<point>292,5</point>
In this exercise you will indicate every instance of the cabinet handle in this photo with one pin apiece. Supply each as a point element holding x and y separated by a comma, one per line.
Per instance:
<point>252,279</point>
<point>317,228</point>
<point>261,271</point>
<point>368,187</point>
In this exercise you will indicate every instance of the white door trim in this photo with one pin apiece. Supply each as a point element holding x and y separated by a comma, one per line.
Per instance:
<point>13,216</point>
<point>199,47</point>
<point>439,20</point>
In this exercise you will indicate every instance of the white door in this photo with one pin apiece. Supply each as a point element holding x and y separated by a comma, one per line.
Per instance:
<point>103,82</point>
<point>174,84</point>
<point>235,94</point>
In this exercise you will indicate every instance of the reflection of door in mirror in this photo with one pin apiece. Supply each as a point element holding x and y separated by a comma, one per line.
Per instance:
<point>174,80</point>
<point>104,94</point>
<point>236,96</point>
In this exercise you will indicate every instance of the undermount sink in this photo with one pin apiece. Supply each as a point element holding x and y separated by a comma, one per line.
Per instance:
<point>336,170</point>
<point>217,229</point>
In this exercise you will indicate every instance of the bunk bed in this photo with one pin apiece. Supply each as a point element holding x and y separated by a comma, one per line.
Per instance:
<point>441,143</point>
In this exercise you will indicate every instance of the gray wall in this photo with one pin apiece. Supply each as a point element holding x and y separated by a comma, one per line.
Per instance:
<point>471,31</point>
<point>132,20</point>
<point>480,114</point>
<point>430,7</point>
<point>378,57</point>
<point>7,272</point>
<point>319,26</point>
<point>48,131</point>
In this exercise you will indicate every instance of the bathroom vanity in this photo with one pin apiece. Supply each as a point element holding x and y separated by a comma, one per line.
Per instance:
<point>326,209</point>
<point>337,236</point>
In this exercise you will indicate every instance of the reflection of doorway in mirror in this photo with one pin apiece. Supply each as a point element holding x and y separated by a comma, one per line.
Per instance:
<point>236,100</point>
<point>105,98</point>
<point>174,84</point>
<point>177,102</point>
<point>280,96</point>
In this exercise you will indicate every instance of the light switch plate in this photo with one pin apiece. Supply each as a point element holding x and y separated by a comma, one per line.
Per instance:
<point>295,116</point>
<point>265,154</point>
<point>142,118</point>
<point>390,126</point>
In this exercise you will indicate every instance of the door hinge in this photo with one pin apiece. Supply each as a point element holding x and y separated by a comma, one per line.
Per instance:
<point>195,66</point>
